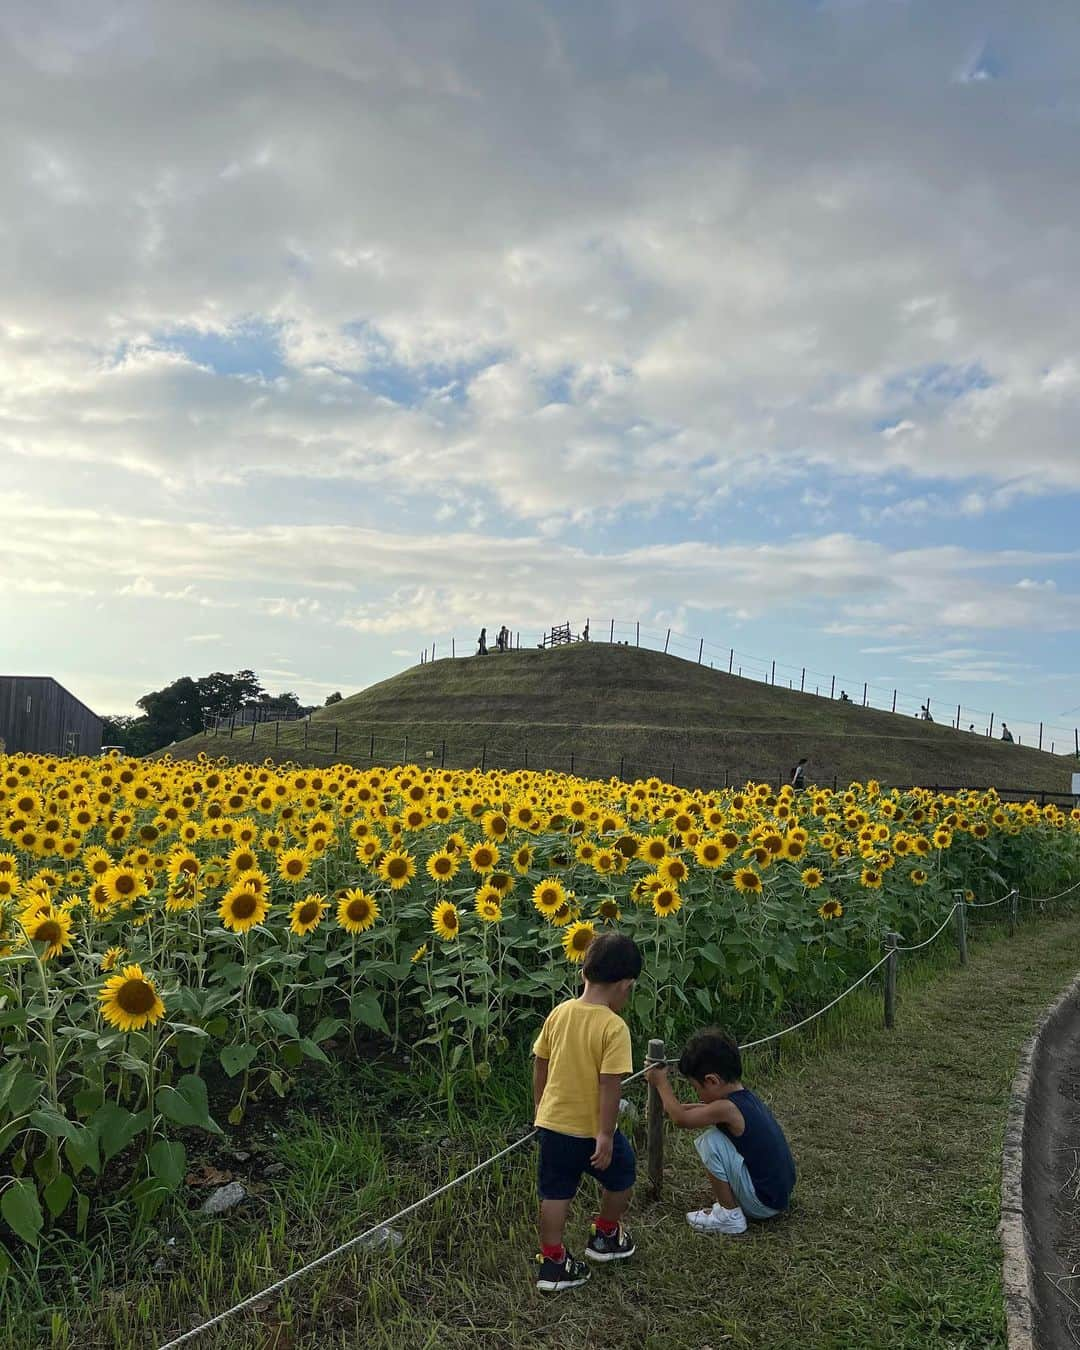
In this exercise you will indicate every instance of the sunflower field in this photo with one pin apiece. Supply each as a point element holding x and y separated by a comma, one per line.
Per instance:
<point>179,940</point>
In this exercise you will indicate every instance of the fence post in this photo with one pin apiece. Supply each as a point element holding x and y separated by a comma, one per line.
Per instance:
<point>701,648</point>
<point>667,640</point>
<point>253,726</point>
<point>894,700</point>
<point>232,727</point>
<point>961,925</point>
<point>1076,741</point>
<point>865,689</point>
<point>891,939</point>
<point>622,768</point>
<point>433,651</point>
<point>442,756</point>
<point>1040,735</point>
<point>654,1123</point>
<point>672,778</point>
<point>307,723</point>
<point>958,717</point>
<point>637,639</point>
<point>336,730</point>
<point>990,732</point>
<point>773,680</point>
<point>453,648</point>
<point>277,731</point>
<point>571,761</point>
<point>612,637</point>
<point>1014,911</point>
<point>525,756</point>
<point>405,750</point>
<point>371,752</point>
<point>731,664</point>
<point>802,681</point>
<point>832,688</point>
<point>483,759</point>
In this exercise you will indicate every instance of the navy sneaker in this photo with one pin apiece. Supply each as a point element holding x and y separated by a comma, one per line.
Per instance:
<point>610,1246</point>
<point>555,1277</point>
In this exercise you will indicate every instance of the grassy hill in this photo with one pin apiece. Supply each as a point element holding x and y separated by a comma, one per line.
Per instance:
<point>611,709</point>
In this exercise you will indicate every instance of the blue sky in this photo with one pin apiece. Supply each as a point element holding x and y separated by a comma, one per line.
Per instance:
<point>323,342</point>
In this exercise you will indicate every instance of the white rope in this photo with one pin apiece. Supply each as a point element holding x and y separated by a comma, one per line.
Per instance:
<point>1045,899</point>
<point>777,1034</point>
<point>944,924</point>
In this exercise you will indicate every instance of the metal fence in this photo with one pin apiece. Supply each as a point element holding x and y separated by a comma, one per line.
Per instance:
<point>802,679</point>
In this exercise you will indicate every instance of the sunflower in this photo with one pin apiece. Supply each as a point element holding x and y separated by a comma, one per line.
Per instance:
<point>306,915</point>
<point>357,911</point>
<point>576,940</point>
<point>665,901</point>
<point>747,881</point>
<point>182,862</point>
<point>653,849</point>
<point>793,847</point>
<point>831,909</point>
<point>419,954</point>
<point>130,1000</point>
<point>870,878</point>
<point>919,877</point>
<point>242,908</point>
<point>442,866</point>
<point>673,869</point>
<point>812,878</point>
<point>293,865</point>
<point>445,920</point>
<point>398,868</point>
<point>495,825</point>
<point>110,958</point>
<point>608,909</point>
<point>710,853</point>
<point>548,895</point>
<point>487,904</point>
<point>483,857</point>
<point>51,926</point>
<point>125,885</point>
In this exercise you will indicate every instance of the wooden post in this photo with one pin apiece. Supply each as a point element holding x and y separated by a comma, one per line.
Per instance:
<point>405,750</point>
<point>307,723</point>
<point>865,689</point>
<point>961,925</point>
<point>637,639</point>
<point>525,756</point>
<point>654,1124</point>
<point>701,648</point>
<point>832,688</point>
<point>336,730</point>
<point>672,778</point>
<point>802,681</point>
<point>571,761</point>
<point>277,730</point>
<point>1040,735</point>
<point>442,756</point>
<point>483,759</point>
<point>894,700</point>
<point>1014,911</point>
<point>612,637</point>
<point>433,651</point>
<point>1076,741</point>
<point>731,664</point>
<point>958,717</point>
<point>371,752</point>
<point>990,731</point>
<point>891,939</point>
<point>622,768</point>
<point>773,680</point>
<point>453,648</point>
<point>667,640</point>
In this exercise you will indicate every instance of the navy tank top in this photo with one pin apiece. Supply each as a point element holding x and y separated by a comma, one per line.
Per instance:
<point>764,1149</point>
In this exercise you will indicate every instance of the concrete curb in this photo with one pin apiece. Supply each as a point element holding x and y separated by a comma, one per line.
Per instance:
<point>1018,1277</point>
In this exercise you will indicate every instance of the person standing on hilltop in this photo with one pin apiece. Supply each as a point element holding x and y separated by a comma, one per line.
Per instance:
<point>798,775</point>
<point>1006,734</point>
<point>481,643</point>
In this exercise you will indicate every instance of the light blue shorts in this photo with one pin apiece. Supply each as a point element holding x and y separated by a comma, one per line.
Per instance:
<point>726,1163</point>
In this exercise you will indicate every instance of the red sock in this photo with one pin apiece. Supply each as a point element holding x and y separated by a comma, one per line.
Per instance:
<point>609,1227</point>
<point>553,1253</point>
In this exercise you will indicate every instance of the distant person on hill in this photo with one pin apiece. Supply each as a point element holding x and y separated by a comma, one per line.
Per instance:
<point>972,727</point>
<point>843,696</point>
<point>585,632</point>
<point>481,643</point>
<point>924,713</point>
<point>500,639</point>
<point>798,776</point>
<point>579,1061</point>
<point>1006,734</point>
<point>750,1167</point>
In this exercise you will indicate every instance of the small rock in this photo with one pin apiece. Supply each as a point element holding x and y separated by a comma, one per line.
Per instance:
<point>224,1198</point>
<point>382,1237</point>
<point>273,1169</point>
<point>241,1156</point>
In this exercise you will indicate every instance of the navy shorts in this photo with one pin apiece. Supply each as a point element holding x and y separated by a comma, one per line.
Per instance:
<point>564,1160</point>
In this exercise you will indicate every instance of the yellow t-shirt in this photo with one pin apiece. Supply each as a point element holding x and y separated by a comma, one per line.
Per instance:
<point>580,1041</point>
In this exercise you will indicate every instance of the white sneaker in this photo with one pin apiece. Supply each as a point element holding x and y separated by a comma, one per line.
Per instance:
<point>717,1220</point>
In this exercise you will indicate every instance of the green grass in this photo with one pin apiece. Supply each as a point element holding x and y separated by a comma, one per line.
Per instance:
<point>891,1242</point>
<point>633,712</point>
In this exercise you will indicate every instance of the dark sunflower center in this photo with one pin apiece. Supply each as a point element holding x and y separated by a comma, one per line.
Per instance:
<point>243,906</point>
<point>135,997</point>
<point>49,931</point>
<point>308,912</point>
<point>442,866</point>
<point>294,867</point>
<point>358,910</point>
<point>397,867</point>
<point>125,884</point>
<point>450,920</point>
<point>190,866</point>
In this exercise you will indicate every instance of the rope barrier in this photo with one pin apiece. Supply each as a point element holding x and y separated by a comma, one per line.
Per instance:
<point>344,1247</point>
<point>1046,899</point>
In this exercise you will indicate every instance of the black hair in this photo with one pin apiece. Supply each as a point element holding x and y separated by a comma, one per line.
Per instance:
<point>611,957</point>
<point>711,1051</point>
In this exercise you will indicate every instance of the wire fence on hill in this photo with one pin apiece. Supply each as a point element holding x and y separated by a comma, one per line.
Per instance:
<point>860,692</point>
<point>334,744</point>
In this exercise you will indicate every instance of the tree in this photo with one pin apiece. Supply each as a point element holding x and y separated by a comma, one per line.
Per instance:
<point>333,698</point>
<point>130,732</point>
<point>221,695</point>
<point>173,713</point>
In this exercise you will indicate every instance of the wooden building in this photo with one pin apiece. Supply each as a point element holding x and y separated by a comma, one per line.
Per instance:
<point>39,716</point>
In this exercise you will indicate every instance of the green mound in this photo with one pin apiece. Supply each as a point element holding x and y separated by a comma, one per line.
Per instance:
<point>606,710</point>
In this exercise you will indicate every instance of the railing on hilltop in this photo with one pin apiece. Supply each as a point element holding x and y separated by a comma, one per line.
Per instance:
<point>799,679</point>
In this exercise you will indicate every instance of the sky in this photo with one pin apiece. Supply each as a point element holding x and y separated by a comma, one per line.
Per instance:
<point>329,330</point>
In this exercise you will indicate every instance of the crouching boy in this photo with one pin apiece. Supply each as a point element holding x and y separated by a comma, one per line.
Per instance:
<point>581,1057</point>
<point>748,1160</point>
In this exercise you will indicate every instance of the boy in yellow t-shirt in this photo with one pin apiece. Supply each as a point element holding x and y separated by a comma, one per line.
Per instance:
<point>581,1057</point>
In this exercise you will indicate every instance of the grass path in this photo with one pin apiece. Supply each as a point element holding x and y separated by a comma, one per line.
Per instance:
<point>891,1242</point>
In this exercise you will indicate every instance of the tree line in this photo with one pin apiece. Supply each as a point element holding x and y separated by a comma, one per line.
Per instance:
<point>184,707</point>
